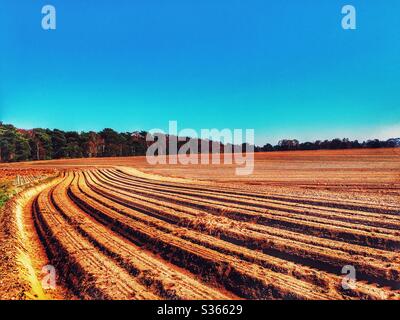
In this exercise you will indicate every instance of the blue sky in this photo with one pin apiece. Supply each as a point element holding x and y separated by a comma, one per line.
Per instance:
<point>285,68</point>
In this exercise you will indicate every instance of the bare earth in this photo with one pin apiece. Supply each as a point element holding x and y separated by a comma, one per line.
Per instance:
<point>119,228</point>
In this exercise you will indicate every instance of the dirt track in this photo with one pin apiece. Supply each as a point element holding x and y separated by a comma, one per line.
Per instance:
<point>112,233</point>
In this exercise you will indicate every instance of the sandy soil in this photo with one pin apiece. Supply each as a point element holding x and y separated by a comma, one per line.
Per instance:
<point>119,228</point>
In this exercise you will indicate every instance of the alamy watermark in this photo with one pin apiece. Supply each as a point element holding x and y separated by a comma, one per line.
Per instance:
<point>49,20</point>
<point>349,279</point>
<point>214,146</point>
<point>349,22</point>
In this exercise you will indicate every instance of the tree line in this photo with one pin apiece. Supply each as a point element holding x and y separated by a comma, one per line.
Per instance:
<point>334,144</point>
<point>45,144</point>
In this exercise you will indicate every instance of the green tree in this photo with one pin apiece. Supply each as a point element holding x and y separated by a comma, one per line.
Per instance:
<point>73,147</point>
<point>22,148</point>
<point>59,143</point>
<point>112,143</point>
<point>7,142</point>
<point>41,146</point>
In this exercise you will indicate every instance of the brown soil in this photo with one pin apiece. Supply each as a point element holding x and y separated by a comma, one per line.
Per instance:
<point>118,228</point>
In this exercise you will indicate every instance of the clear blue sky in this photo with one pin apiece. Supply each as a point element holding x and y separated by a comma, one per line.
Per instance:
<point>285,67</point>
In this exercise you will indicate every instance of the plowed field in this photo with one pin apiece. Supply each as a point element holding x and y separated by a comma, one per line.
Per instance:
<point>113,232</point>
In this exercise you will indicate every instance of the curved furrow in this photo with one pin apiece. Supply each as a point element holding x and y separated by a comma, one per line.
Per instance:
<point>247,280</point>
<point>382,226</point>
<point>89,273</point>
<point>278,245</point>
<point>152,273</point>
<point>113,235</point>
<point>254,204</point>
<point>346,234</point>
<point>303,238</point>
<point>210,242</point>
<point>354,205</point>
